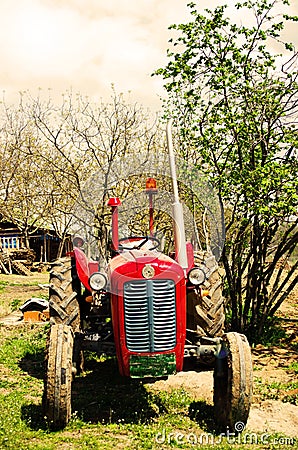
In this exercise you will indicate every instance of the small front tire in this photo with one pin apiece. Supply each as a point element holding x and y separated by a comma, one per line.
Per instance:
<point>58,377</point>
<point>233,383</point>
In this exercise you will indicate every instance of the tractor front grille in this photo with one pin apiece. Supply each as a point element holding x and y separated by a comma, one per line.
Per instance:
<point>150,315</point>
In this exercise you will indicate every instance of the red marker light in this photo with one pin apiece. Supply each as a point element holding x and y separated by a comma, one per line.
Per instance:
<point>114,201</point>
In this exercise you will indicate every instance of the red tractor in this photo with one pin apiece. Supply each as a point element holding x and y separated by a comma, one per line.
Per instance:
<point>158,313</point>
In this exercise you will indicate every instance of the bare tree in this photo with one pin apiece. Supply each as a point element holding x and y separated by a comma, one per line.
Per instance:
<point>88,138</point>
<point>25,188</point>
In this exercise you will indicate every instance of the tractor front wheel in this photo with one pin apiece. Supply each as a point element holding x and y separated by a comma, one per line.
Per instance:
<point>58,377</point>
<point>233,381</point>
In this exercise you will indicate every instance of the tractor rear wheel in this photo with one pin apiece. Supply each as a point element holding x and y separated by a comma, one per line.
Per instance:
<point>233,381</point>
<point>58,377</point>
<point>206,313</point>
<point>64,292</point>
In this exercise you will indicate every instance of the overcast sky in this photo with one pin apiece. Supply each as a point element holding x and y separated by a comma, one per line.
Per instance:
<point>87,45</point>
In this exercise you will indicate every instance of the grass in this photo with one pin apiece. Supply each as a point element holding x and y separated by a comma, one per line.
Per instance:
<point>273,333</point>
<point>109,412</point>
<point>294,367</point>
<point>3,284</point>
<point>287,392</point>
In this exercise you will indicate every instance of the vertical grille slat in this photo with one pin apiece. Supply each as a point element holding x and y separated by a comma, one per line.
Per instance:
<point>150,315</point>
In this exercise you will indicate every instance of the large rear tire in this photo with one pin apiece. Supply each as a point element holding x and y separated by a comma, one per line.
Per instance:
<point>233,383</point>
<point>58,377</point>
<point>64,287</point>
<point>206,313</point>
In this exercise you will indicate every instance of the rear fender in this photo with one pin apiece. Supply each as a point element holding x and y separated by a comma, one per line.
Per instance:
<point>190,256</point>
<point>84,267</point>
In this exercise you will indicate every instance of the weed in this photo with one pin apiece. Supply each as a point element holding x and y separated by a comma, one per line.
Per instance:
<point>293,366</point>
<point>273,333</point>
<point>15,304</point>
<point>3,285</point>
<point>294,346</point>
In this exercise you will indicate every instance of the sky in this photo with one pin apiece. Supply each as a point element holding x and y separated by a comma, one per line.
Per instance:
<point>88,45</point>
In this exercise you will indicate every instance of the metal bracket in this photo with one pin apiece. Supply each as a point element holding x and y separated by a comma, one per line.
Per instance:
<point>203,347</point>
<point>95,343</point>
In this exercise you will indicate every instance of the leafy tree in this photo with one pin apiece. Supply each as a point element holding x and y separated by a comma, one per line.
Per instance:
<point>235,103</point>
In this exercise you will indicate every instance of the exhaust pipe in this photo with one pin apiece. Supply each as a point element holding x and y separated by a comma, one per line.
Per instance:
<point>179,230</point>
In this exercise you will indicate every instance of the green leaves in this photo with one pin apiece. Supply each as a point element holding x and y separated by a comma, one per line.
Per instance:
<point>238,107</point>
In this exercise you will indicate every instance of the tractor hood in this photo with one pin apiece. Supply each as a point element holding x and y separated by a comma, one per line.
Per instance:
<point>134,264</point>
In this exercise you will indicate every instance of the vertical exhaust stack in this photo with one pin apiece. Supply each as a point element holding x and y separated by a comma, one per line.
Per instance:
<point>179,230</point>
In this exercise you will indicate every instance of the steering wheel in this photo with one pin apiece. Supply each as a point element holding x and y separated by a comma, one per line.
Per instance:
<point>143,240</point>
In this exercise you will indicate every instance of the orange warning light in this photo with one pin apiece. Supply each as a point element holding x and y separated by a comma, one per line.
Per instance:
<point>151,184</point>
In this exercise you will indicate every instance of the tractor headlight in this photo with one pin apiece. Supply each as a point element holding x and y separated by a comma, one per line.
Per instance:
<point>196,276</point>
<point>97,281</point>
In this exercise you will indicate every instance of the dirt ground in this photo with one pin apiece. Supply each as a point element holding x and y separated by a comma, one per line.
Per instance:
<point>270,364</point>
<point>18,288</point>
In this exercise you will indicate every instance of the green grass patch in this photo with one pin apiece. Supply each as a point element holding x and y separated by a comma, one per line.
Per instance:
<point>23,283</point>
<point>3,285</point>
<point>287,392</point>
<point>15,304</point>
<point>294,367</point>
<point>273,333</point>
